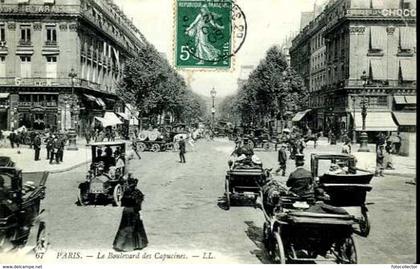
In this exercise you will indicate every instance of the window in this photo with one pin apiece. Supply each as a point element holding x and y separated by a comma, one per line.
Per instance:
<point>25,66</point>
<point>407,39</point>
<point>51,34</point>
<point>2,33</point>
<point>25,34</point>
<point>2,66</point>
<point>51,67</point>
<point>377,39</point>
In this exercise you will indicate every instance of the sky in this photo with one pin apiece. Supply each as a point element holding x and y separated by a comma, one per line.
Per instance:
<point>269,23</point>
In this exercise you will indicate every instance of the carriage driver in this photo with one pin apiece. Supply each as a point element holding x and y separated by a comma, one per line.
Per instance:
<point>301,181</point>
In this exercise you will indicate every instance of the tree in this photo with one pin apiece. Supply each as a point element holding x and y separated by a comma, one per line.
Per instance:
<point>153,87</point>
<point>271,89</point>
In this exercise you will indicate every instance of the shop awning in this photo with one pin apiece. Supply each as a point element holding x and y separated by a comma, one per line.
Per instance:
<point>376,121</point>
<point>4,95</point>
<point>400,100</point>
<point>123,115</point>
<point>300,115</point>
<point>405,118</point>
<point>407,37</point>
<point>109,119</point>
<point>411,100</point>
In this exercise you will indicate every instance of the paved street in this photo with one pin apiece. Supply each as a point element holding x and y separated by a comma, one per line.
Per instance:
<point>183,211</point>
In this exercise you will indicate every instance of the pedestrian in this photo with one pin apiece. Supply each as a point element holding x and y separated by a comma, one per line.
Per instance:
<point>346,148</point>
<point>380,140</point>
<point>282,159</point>
<point>12,138</point>
<point>48,145</point>
<point>61,145</point>
<point>37,146</point>
<point>131,234</point>
<point>54,150</point>
<point>88,136</point>
<point>380,161</point>
<point>18,139</point>
<point>301,145</point>
<point>397,143</point>
<point>388,163</point>
<point>181,144</point>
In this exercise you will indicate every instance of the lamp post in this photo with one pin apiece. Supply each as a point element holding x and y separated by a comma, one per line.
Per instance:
<point>363,135</point>
<point>213,109</point>
<point>72,132</point>
<point>354,120</point>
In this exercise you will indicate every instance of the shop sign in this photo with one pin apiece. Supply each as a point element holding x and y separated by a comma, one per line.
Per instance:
<point>382,12</point>
<point>31,9</point>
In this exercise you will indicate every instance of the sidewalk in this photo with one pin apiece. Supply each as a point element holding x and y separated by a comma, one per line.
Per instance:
<point>25,159</point>
<point>404,166</point>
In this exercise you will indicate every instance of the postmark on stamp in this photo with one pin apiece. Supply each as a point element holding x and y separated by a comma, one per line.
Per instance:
<point>208,33</point>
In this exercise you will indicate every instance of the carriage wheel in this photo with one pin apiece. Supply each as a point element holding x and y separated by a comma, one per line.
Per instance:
<point>155,148</point>
<point>227,194</point>
<point>266,232</point>
<point>347,251</point>
<point>169,146</point>
<point>141,147</point>
<point>82,197</point>
<point>117,194</point>
<point>41,239</point>
<point>278,253</point>
<point>176,146</point>
<point>364,224</point>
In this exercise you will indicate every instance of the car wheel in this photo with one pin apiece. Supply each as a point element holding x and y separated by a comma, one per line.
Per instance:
<point>141,147</point>
<point>155,148</point>
<point>117,195</point>
<point>82,198</point>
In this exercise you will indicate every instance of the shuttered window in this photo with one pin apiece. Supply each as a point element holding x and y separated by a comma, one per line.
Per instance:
<point>408,69</point>
<point>407,38</point>
<point>378,69</point>
<point>378,37</point>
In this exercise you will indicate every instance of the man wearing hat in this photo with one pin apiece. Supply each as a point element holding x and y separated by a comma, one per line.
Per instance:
<point>245,149</point>
<point>282,159</point>
<point>37,145</point>
<point>300,181</point>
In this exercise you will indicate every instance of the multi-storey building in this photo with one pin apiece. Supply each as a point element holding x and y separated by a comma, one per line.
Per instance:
<point>372,36</point>
<point>61,60</point>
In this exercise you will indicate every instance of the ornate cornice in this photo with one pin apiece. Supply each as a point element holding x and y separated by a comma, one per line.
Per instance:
<point>11,26</point>
<point>37,26</point>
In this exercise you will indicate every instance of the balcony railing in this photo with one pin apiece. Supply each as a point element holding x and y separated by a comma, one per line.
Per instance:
<point>51,43</point>
<point>25,43</point>
<point>39,104</point>
<point>66,82</point>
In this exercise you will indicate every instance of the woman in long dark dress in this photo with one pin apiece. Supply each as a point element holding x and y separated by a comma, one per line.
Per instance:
<point>131,234</point>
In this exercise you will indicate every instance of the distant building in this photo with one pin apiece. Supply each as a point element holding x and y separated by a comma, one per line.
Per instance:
<point>285,47</point>
<point>351,37</point>
<point>41,41</point>
<point>244,74</point>
<point>305,19</point>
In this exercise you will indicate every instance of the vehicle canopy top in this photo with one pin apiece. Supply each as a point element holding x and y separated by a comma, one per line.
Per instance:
<point>109,143</point>
<point>329,156</point>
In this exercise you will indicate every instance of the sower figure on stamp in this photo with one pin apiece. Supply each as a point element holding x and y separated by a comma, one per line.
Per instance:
<point>131,234</point>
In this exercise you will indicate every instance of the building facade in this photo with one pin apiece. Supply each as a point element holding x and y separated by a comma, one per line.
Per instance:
<point>61,61</point>
<point>351,38</point>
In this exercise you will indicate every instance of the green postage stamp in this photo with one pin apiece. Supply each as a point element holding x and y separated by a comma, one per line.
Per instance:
<point>204,33</point>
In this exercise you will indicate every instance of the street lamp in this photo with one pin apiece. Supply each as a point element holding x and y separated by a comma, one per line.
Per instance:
<point>354,120</point>
<point>72,132</point>
<point>213,109</point>
<point>363,135</point>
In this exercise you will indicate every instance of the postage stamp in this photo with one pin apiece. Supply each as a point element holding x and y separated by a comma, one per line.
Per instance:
<point>205,33</point>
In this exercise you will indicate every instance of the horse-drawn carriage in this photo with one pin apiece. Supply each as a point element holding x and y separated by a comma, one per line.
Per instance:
<point>346,188</point>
